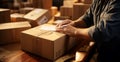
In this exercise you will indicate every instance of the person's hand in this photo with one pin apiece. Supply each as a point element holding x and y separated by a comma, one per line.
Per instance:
<point>65,22</point>
<point>67,29</point>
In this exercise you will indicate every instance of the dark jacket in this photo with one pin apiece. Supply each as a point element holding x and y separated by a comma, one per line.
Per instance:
<point>103,18</point>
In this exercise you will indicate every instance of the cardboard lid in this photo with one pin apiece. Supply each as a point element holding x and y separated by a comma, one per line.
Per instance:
<point>14,25</point>
<point>2,9</point>
<point>35,14</point>
<point>40,32</point>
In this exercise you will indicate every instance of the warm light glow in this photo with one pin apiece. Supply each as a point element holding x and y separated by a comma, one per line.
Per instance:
<point>79,56</point>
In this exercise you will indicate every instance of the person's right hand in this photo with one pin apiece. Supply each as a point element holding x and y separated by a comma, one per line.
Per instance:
<point>65,22</point>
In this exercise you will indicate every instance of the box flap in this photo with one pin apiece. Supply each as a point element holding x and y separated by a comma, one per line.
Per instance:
<point>14,25</point>
<point>35,14</point>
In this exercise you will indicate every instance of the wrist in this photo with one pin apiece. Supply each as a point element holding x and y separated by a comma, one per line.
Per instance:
<point>76,32</point>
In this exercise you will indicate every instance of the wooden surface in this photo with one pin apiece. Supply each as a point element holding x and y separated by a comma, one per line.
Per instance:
<point>13,53</point>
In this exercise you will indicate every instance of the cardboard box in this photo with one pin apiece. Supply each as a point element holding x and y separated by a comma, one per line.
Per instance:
<point>42,41</point>
<point>86,1</point>
<point>61,17</point>
<point>10,32</point>
<point>69,2</point>
<point>26,10</point>
<point>36,5</point>
<point>66,11</point>
<point>45,4</point>
<point>38,17</point>
<point>79,9</point>
<point>45,42</point>
<point>16,17</point>
<point>4,15</point>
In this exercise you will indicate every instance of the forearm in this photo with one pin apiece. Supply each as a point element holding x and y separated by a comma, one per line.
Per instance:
<point>83,33</point>
<point>79,23</point>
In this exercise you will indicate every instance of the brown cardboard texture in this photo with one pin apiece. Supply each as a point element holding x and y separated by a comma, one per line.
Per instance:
<point>79,9</point>
<point>38,17</point>
<point>4,15</point>
<point>45,43</point>
<point>10,32</point>
<point>45,4</point>
<point>66,11</point>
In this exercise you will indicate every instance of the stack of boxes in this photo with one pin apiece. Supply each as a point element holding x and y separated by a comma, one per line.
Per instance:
<point>44,42</point>
<point>75,9</point>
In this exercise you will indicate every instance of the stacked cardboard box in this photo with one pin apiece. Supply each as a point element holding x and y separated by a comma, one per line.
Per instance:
<point>16,17</point>
<point>38,17</point>
<point>35,3</point>
<point>79,9</point>
<point>45,4</point>
<point>68,3</point>
<point>45,42</point>
<point>86,1</point>
<point>26,10</point>
<point>4,15</point>
<point>66,11</point>
<point>10,32</point>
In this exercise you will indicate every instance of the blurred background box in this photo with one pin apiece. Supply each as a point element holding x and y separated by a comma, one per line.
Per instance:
<point>38,17</point>
<point>45,4</point>
<point>66,11</point>
<point>4,15</point>
<point>79,9</point>
<point>10,32</point>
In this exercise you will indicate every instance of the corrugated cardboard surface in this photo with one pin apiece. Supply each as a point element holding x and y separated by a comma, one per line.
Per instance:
<point>45,4</point>
<point>79,9</point>
<point>38,17</point>
<point>10,32</point>
<point>4,15</point>
<point>66,11</point>
<point>47,44</point>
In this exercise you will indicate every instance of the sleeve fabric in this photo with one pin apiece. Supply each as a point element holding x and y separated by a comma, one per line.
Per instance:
<point>106,22</point>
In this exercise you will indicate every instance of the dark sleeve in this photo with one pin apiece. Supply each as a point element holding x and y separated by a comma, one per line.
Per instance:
<point>88,16</point>
<point>108,28</point>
